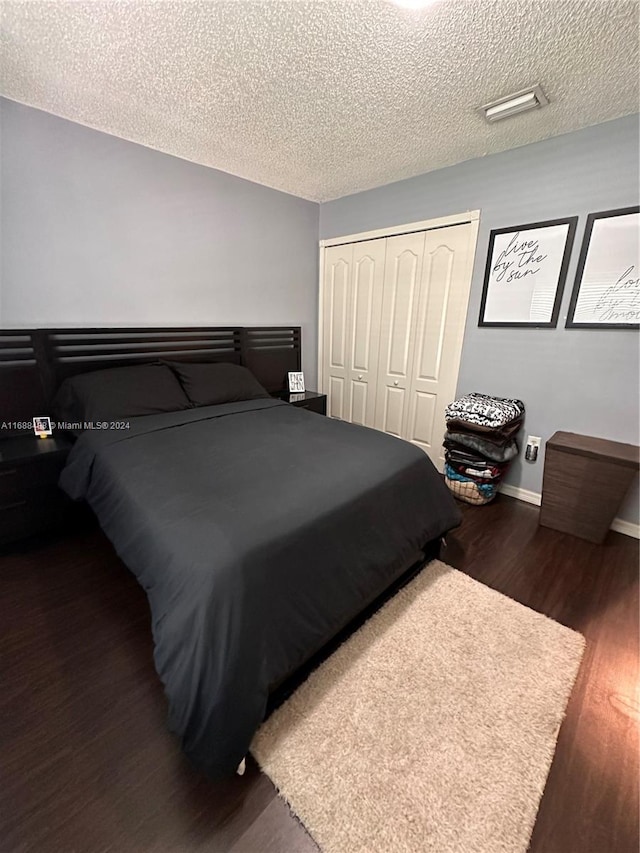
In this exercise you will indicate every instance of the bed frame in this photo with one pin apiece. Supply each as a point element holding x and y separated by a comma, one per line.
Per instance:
<point>33,362</point>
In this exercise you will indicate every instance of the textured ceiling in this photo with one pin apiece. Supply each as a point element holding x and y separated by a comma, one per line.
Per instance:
<point>321,99</point>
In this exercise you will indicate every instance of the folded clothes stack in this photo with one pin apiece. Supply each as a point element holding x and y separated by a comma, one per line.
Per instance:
<point>480,444</point>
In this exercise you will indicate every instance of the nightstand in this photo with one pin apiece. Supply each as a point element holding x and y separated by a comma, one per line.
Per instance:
<point>30,500</point>
<point>305,400</point>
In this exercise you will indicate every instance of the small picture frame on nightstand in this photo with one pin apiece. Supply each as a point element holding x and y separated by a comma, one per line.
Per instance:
<point>296,383</point>
<point>42,426</point>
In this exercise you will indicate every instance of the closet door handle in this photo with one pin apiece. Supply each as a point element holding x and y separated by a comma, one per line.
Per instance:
<point>395,382</point>
<point>360,376</point>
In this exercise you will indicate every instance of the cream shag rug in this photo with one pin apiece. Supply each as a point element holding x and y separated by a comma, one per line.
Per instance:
<point>432,728</point>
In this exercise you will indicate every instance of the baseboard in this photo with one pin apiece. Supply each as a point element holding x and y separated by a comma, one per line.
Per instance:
<point>628,528</point>
<point>521,494</point>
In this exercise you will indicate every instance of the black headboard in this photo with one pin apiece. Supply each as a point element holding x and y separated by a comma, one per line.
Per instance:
<point>33,362</point>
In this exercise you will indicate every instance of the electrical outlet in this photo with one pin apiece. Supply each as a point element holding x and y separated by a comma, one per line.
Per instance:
<point>533,445</point>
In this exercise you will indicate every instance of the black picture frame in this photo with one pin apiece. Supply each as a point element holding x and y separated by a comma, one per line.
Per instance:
<point>582,260</point>
<point>572,222</point>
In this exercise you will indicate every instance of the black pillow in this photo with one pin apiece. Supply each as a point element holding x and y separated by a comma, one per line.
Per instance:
<point>121,392</point>
<point>210,383</point>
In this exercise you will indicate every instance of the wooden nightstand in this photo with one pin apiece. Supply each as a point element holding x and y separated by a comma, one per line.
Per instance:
<point>30,500</point>
<point>305,400</point>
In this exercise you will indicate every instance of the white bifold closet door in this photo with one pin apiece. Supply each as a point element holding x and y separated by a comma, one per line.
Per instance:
<point>353,280</point>
<point>426,294</point>
<point>394,311</point>
<point>402,273</point>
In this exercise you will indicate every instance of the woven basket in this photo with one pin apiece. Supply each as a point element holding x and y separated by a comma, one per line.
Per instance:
<point>468,492</point>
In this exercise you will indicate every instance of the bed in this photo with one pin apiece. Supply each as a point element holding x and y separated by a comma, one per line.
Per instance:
<point>257,529</point>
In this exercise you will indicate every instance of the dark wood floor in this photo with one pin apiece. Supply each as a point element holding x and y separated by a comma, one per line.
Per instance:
<point>87,766</point>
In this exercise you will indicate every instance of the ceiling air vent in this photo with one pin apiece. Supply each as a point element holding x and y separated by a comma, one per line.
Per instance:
<point>526,99</point>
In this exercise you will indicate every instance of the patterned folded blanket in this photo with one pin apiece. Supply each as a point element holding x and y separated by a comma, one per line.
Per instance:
<point>484,411</point>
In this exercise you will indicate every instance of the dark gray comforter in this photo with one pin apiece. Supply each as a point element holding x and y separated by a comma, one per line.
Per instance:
<point>257,530</point>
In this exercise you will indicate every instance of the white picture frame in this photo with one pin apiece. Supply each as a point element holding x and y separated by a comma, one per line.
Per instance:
<point>296,382</point>
<point>42,426</point>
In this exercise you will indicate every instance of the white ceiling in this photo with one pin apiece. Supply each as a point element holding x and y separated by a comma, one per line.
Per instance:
<point>325,98</point>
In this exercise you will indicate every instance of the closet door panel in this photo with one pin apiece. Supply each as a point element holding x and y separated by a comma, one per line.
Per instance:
<point>393,410</point>
<point>403,286</point>
<point>366,308</point>
<point>359,400</point>
<point>403,267</point>
<point>432,312</point>
<point>422,418</point>
<point>441,313</point>
<point>338,296</point>
<point>335,397</point>
<point>363,287</point>
<point>338,264</point>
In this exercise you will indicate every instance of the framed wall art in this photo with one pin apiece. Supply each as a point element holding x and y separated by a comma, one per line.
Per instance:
<point>525,274</point>
<point>606,292</point>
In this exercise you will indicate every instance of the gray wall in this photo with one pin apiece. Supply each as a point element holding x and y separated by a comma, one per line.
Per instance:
<point>100,231</point>
<point>579,381</point>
